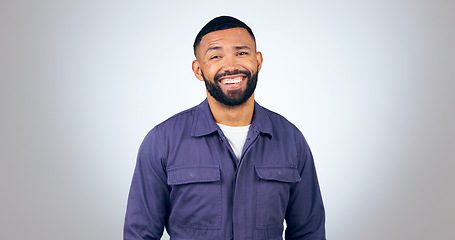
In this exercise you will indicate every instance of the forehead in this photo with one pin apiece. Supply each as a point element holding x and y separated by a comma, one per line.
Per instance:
<point>226,38</point>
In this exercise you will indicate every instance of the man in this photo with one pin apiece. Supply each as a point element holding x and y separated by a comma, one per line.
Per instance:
<point>227,168</point>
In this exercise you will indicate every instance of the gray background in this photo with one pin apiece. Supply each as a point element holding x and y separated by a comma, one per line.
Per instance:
<point>371,84</point>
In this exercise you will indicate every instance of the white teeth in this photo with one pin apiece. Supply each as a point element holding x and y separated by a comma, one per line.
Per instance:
<point>232,80</point>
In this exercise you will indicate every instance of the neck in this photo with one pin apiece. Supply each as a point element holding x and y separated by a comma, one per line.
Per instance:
<point>235,116</point>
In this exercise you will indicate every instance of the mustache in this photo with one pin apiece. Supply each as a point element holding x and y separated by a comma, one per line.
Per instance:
<point>228,73</point>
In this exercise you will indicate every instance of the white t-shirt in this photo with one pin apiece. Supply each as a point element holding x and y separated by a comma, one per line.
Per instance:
<point>236,137</point>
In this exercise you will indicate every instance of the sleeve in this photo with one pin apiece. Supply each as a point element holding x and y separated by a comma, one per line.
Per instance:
<point>148,200</point>
<point>305,215</point>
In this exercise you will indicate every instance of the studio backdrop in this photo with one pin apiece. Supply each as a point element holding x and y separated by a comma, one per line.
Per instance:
<point>371,84</point>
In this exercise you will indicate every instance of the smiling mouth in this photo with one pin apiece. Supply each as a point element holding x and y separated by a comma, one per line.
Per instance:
<point>232,80</point>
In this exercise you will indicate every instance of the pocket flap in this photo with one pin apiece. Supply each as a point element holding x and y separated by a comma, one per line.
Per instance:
<point>193,174</point>
<point>278,173</point>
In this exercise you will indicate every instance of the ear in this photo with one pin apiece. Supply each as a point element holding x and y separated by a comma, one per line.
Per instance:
<point>259,59</point>
<point>197,70</point>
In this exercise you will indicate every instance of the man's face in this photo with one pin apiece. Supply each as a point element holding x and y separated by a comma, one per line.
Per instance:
<point>228,63</point>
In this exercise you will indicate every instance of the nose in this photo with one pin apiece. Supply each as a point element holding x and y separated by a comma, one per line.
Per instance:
<point>229,63</point>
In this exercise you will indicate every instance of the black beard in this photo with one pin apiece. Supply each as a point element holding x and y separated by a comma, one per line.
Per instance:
<point>234,97</point>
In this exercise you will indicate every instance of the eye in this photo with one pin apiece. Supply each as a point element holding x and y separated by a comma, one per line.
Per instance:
<point>242,53</point>
<point>214,57</point>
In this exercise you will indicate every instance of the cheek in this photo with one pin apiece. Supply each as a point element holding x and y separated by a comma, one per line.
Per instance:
<point>210,71</point>
<point>251,64</point>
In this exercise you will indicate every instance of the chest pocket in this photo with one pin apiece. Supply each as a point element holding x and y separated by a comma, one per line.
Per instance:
<point>273,192</point>
<point>195,196</point>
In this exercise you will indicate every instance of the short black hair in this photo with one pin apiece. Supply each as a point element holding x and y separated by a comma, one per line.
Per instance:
<point>220,23</point>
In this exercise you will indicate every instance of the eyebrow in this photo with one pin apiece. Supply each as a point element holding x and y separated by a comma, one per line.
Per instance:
<point>242,47</point>
<point>212,49</point>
